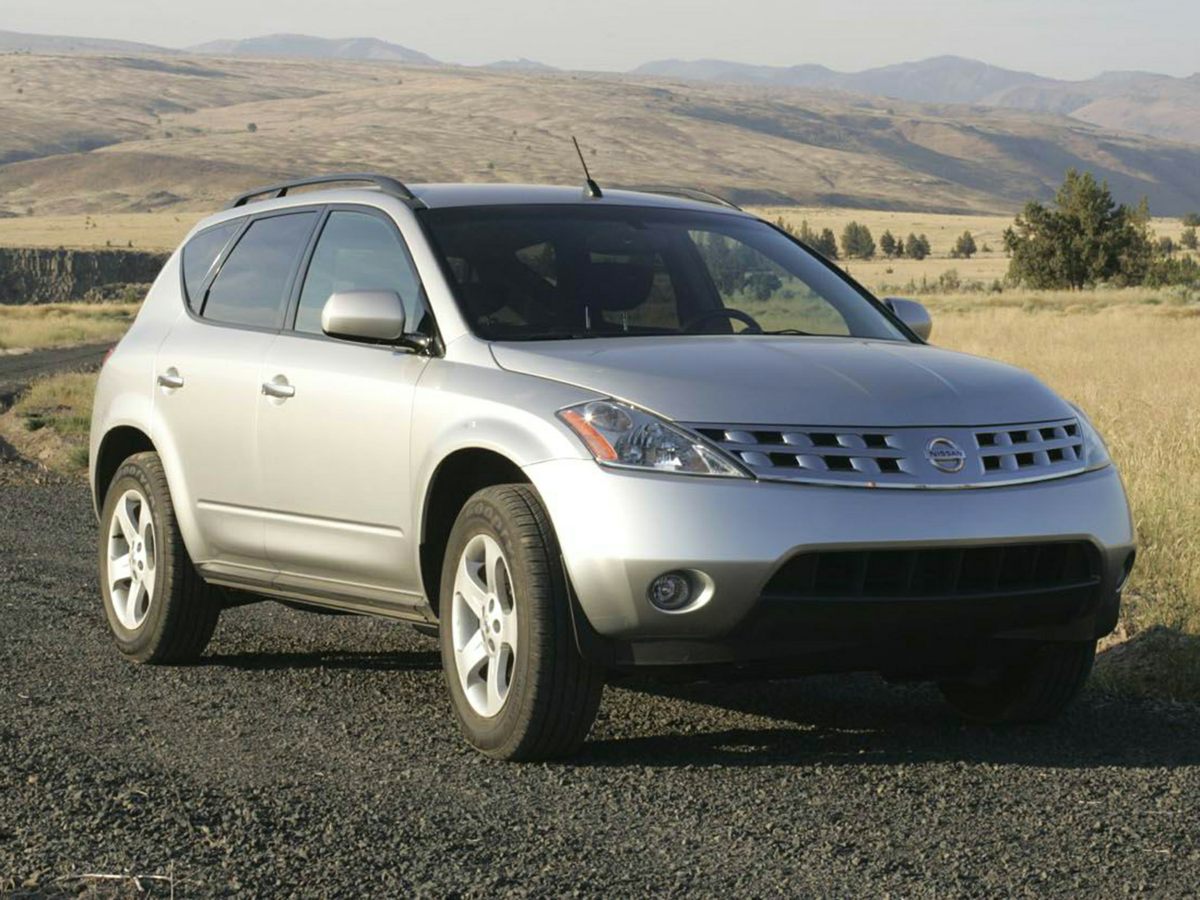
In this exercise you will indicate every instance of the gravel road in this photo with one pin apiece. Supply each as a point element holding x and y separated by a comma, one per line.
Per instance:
<point>18,369</point>
<point>316,756</point>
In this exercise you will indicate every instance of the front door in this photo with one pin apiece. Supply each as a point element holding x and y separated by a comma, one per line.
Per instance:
<point>334,452</point>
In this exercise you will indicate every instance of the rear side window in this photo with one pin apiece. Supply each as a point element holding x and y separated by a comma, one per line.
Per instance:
<point>252,286</point>
<point>201,253</point>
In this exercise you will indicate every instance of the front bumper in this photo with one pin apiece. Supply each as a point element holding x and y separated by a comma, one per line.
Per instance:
<point>620,530</point>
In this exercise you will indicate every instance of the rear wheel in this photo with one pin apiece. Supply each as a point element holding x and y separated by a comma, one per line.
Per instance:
<point>157,605</point>
<point>517,682</point>
<point>1036,689</point>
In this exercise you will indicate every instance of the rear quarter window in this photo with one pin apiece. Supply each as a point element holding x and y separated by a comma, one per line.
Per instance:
<point>252,286</point>
<point>200,254</point>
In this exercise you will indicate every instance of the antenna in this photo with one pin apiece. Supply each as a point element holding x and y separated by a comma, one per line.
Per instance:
<point>593,189</point>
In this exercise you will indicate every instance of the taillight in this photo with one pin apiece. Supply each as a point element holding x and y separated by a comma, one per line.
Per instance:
<point>108,354</point>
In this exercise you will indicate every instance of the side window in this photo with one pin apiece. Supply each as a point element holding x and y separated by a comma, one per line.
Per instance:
<point>357,252</point>
<point>251,287</point>
<point>199,255</point>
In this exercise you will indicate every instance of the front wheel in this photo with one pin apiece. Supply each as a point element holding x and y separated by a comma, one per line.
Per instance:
<point>518,684</point>
<point>1036,689</point>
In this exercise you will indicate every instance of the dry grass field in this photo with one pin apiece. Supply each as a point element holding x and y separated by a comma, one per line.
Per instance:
<point>895,276</point>
<point>62,324</point>
<point>142,231</point>
<point>1131,360</point>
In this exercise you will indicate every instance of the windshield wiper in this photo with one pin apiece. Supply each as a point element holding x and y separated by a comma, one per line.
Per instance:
<point>796,331</point>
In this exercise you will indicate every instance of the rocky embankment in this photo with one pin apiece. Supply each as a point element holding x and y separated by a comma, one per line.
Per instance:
<point>33,275</point>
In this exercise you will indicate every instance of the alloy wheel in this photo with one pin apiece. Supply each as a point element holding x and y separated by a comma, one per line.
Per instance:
<point>132,559</point>
<point>483,619</point>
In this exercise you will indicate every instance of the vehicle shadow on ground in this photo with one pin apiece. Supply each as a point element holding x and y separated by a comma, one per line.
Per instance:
<point>380,661</point>
<point>862,720</point>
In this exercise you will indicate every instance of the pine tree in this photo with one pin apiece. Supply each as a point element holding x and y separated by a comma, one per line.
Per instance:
<point>1086,238</point>
<point>887,244</point>
<point>964,247</point>
<point>857,241</point>
<point>916,247</point>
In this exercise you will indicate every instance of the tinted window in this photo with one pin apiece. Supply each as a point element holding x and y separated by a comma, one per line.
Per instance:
<point>357,252</point>
<point>252,285</point>
<point>199,255</point>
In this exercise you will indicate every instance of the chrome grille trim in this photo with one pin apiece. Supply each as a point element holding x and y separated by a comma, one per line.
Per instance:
<point>994,455</point>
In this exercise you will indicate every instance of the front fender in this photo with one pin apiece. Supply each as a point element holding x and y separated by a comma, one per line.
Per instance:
<point>465,406</point>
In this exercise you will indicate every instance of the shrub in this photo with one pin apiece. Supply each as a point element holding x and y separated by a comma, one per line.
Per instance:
<point>857,241</point>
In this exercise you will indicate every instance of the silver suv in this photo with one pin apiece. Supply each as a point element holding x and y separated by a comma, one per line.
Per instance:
<point>581,434</point>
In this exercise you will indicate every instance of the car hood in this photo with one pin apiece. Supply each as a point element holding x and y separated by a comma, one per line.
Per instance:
<point>792,380</point>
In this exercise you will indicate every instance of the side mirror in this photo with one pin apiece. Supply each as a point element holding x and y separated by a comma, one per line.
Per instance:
<point>364,316</point>
<point>912,314</point>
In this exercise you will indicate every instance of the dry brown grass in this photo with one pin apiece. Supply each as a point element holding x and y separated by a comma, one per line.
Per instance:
<point>1134,367</point>
<point>145,231</point>
<point>50,422</point>
<point>45,325</point>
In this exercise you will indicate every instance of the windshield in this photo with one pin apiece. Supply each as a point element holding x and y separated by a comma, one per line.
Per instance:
<point>566,271</point>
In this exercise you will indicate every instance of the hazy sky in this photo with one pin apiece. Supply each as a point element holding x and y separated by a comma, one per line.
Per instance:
<point>1063,38</point>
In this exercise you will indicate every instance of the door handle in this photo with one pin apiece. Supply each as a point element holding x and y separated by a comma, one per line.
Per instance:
<point>170,379</point>
<point>279,389</point>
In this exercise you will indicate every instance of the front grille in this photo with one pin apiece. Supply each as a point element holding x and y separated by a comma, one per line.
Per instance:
<point>932,572</point>
<point>904,457</point>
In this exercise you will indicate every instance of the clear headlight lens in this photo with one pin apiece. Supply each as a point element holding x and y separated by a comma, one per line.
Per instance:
<point>1095,453</point>
<point>618,434</point>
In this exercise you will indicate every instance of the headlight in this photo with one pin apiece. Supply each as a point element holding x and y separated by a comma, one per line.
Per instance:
<point>1095,454</point>
<point>618,434</point>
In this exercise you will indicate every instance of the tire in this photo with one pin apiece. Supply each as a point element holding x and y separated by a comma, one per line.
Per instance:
<point>1037,689</point>
<point>172,617</point>
<point>533,696</point>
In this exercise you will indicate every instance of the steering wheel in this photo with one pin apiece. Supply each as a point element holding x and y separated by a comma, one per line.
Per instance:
<point>752,327</point>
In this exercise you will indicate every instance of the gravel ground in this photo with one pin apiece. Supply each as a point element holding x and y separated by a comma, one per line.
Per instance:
<point>18,369</point>
<point>316,756</point>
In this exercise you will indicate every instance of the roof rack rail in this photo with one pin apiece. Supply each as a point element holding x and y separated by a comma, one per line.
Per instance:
<point>385,183</point>
<point>690,194</point>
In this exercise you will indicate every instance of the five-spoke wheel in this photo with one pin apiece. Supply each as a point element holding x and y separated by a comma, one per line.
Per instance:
<point>483,621</point>
<point>158,606</point>
<point>132,561</point>
<point>517,680</point>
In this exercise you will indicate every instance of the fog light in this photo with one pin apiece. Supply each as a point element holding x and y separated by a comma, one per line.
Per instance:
<point>671,592</point>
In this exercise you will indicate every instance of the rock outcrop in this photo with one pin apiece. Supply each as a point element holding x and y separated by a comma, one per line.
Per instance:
<point>31,275</point>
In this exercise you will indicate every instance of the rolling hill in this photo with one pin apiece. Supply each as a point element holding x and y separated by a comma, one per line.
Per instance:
<point>127,133</point>
<point>1145,103</point>
<point>19,42</point>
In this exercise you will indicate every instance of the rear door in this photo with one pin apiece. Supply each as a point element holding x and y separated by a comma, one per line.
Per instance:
<point>335,453</point>
<point>208,372</point>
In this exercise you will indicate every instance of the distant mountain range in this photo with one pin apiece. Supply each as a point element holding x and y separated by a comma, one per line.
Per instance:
<point>1141,102</point>
<point>942,79</point>
<point>520,65</point>
<point>305,47</point>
